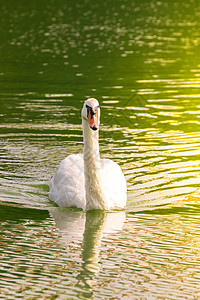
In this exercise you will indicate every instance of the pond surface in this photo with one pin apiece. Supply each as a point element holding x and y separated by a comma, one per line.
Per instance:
<point>140,59</point>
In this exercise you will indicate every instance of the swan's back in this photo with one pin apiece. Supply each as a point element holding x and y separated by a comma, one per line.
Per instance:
<point>114,184</point>
<point>66,187</point>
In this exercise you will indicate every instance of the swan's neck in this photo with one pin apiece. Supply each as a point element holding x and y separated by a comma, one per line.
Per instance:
<point>95,198</point>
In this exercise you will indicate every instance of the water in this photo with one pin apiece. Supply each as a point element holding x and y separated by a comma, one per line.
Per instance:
<point>141,61</point>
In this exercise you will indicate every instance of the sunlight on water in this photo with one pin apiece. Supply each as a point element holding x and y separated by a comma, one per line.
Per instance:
<point>97,247</point>
<point>141,61</point>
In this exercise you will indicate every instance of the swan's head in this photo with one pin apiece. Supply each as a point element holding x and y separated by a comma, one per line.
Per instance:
<point>91,112</point>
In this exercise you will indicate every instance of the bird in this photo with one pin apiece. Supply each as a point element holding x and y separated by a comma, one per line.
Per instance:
<point>85,180</point>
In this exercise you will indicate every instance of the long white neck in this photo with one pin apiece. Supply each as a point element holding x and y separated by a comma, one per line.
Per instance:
<point>95,198</point>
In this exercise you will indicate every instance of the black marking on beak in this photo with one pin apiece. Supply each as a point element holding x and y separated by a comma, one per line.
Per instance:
<point>94,127</point>
<point>90,109</point>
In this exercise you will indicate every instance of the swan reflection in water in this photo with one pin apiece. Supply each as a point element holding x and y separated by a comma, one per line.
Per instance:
<point>78,228</point>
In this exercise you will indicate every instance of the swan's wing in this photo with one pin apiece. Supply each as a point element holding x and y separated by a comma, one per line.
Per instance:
<point>66,188</point>
<point>114,183</point>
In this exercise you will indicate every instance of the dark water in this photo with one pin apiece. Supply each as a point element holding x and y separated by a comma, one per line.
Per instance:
<point>140,59</point>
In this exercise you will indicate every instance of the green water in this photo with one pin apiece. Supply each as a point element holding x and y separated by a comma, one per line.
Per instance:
<point>141,60</point>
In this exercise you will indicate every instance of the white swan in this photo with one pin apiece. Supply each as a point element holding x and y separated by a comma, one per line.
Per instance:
<point>85,180</point>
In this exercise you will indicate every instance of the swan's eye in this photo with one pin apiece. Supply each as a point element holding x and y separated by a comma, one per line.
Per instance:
<point>88,107</point>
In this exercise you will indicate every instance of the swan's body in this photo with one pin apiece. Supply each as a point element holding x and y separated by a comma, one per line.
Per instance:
<point>67,187</point>
<point>85,180</point>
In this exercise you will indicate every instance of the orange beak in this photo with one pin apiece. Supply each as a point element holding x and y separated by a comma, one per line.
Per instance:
<point>93,120</point>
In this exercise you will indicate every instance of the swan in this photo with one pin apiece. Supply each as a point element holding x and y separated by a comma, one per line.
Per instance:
<point>84,180</point>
